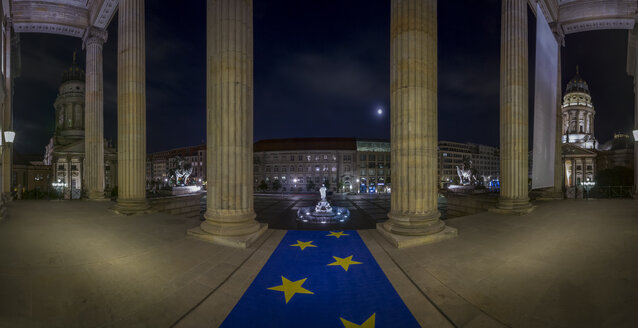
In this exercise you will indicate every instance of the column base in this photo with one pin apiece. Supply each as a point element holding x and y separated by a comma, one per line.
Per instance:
<point>401,241</point>
<point>132,207</point>
<point>407,230</point>
<point>551,195</point>
<point>241,241</point>
<point>229,228</point>
<point>96,195</point>
<point>513,207</point>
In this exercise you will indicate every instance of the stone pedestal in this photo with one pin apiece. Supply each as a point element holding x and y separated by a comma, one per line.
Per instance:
<point>514,116</point>
<point>230,217</point>
<point>414,217</point>
<point>131,109</point>
<point>94,114</point>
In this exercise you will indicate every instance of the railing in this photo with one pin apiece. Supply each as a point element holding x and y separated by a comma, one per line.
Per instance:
<point>608,192</point>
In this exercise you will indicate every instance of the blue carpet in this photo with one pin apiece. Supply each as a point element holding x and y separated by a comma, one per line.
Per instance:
<point>332,282</point>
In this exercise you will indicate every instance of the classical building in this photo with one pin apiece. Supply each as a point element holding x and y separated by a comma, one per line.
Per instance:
<point>66,150</point>
<point>485,160</point>
<point>159,164</point>
<point>304,164</point>
<point>30,173</point>
<point>579,143</point>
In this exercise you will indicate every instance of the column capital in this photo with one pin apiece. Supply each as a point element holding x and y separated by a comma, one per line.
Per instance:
<point>559,34</point>
<point>93,35</point>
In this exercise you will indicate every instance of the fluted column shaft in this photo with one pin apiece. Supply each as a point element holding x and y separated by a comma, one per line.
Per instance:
<point>414,134</point>
<point>558,142</point>
<point>635,128</point>
<point>7,123</point>
<point>131,108</point>
<point>94,114</point>
<point>514,112</point>
<point>229,101</point>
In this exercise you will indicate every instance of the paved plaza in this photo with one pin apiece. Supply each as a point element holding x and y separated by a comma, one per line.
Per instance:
<point>76,264</point>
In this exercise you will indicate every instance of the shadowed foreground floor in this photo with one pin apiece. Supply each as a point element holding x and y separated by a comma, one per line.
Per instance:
<point>75,264</point>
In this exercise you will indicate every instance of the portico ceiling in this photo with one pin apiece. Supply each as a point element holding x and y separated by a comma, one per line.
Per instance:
<point>588,15</point>
<point>67,17</point>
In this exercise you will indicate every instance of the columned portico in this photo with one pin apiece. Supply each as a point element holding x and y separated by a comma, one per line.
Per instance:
<point>514,113</point>
<point>131,109</point>
<point>230,217</point>
<point>414,216</point>
<point>94,113</point>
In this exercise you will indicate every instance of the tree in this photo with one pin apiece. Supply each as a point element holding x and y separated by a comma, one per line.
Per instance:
<point>340,186</point>
<point>276,185</point>
<point>310,185</point>
<point>262,186</point>
<point>615,176</point>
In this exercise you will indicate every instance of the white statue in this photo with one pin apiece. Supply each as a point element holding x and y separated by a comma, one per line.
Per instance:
<point>322,191</point>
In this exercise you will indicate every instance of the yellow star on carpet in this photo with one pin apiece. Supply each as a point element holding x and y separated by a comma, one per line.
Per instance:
<point>290,288</point>
<point>344,262</point>
<point>303,244</point>
<point>337,234</point>
<point>367,324</point>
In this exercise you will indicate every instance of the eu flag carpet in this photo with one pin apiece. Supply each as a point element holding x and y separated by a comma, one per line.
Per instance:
<point>321,279</point>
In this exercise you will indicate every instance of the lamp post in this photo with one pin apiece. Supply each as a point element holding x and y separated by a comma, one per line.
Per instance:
<point>6,139</point>
<point>588,185</point>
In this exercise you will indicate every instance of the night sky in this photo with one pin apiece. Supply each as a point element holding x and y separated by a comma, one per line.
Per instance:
<point>321,69</point>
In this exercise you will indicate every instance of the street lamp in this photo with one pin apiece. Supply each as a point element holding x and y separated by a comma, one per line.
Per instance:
<point>9,136</point>
<point>588,185</point>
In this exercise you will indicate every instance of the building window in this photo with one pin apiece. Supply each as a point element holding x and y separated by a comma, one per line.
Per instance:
<point>300,158</point>
<point>276,169</point>
<point>334,169</point>
<point>317,168</point>
<point>292,168</point>
<point>590,167</point>
<point>371,158</point>
<point>362,157</point>
<point>292,158</point>
<point>347,168</point>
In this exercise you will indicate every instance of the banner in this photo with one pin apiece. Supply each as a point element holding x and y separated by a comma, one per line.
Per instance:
<point>546,87</point>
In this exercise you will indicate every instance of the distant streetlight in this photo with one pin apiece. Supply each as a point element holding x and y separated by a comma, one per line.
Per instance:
<point>380,111</point>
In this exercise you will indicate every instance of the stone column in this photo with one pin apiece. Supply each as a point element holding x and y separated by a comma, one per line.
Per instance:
<point>558,143</point>
<point>230,217</point>
<point>414,215</point>
<point>94,39</point>
<point>131,109</point>
<point>635,194</point>
<point>7,119</point>
<point>514,116</point>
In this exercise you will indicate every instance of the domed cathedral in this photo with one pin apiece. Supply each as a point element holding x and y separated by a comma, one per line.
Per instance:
<point>579,143</point>
<point>65,152</point>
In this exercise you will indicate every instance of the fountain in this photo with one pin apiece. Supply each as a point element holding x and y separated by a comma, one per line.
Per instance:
<point>323,212</point>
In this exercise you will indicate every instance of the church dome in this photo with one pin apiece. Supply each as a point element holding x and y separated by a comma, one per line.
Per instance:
<point>73,73</point>
<point>577,84</point>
